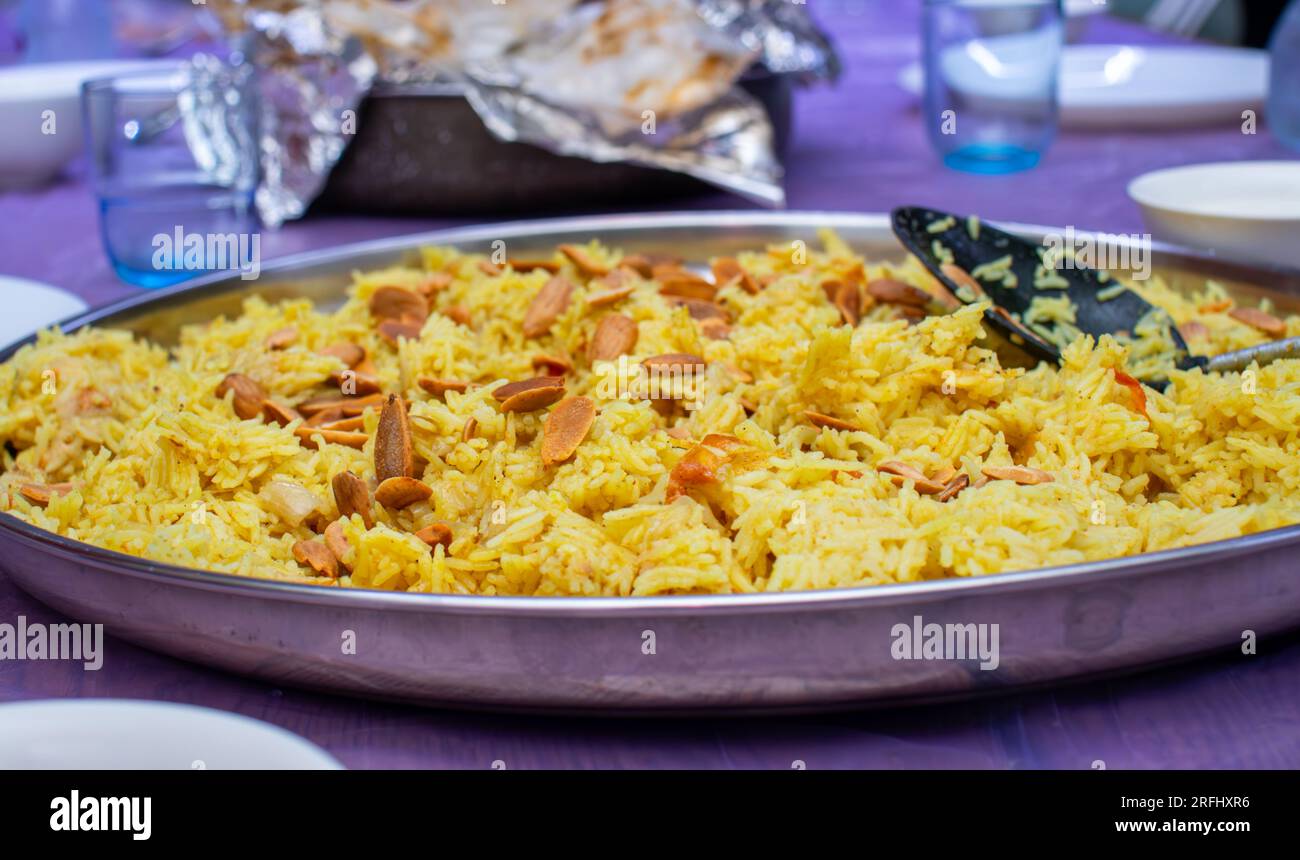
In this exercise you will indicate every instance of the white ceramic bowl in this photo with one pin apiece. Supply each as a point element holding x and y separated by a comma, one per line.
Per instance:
<point>30,156</point>
<point>1243,209</point>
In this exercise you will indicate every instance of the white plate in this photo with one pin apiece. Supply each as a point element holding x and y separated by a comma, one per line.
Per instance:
<point>29,305</point>
<point>1125,85</point>
<point>1244,209</point>
<point>123,734</point>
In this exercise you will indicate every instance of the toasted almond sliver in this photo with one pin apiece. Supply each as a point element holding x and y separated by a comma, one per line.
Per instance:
<point>609,297</point>
<point>701,310</point>
<point>345,405</point>
<point>1217,306</point>
<point>848,299</point>
<point>350,425</point>
<point>471,427</point>
<point>398,303</point>
<point>714,329</point>
<point>394,457</point>
<point>952,487</point>
<point>357,380</point>
<point>916,476</point>
<point>615,335</point>
<point>41,494</point>
<point>675,360</point>
<point>489,268</point>
<point>317,556</point>
<point>944,475</point>
<point>510,389</point>
<point>307,437</point>
<point>698,468</point>
<point>458,314</point>
<point>282,338</point>
<point>546,307</point>
<point>893,292</point>
<point>961,278</point>
<point>587,264</point>
<point>440,387</point>
<point>982,481</point>
<point>687,285</point>
<point>1193,330</point>
<point>393,331</point>
<point>436,534</point>
<point>554,365</point>
<point>1259,320</point>
<point>639,263</point>
<point>278,413</point>
<point>352,496</point>
<point>565,428</point>
<point>336,542</point>
<point>402,492</point>
<point>435,283</point>
<point>818,419</point>
<point>728,269</point>
<point>248,394</point>
<point>349,353</point>
<point>1020,474</point>
<point>532,265</point>
<point>531,399</point>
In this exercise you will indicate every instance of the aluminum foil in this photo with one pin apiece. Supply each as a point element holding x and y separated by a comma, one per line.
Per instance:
<point>577,78</point>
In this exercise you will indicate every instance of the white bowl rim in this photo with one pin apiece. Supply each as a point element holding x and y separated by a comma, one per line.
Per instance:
<point>1139,188</point>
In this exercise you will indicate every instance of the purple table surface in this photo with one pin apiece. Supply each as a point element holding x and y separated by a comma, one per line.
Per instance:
<point>859,146</point>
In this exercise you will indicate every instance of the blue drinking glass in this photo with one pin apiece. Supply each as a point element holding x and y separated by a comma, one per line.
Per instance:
<point>991,76</point>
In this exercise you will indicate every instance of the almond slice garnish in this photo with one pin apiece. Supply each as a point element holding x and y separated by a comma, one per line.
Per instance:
<point>893,292</point>
<point>848,299</point>
<point>435,283</point>
<point>345,405</point>
<point>394,457</point>
<point>393,331</point>
<point>278,413</point>
<point>944,475</point>
<point>962,279</point>
<point>529,395</point>
<point>1217,306</point>
<point>675,360</point>
<point>952,487</point>
<point>41,494</point>
<point>282,338</point>
<point>701,310</point>
<point>546,307</point>
<point>818,419</point>
<point>440,387</point>
<point>700,467</point>
<point>532,265</point>
<point>902,471</point>
<point>436,534</point>
<point>306,436</point>
<point>348,425</point>
<point>398,303</point>
<point>361,379</point>
<point>1193,330</point>
<point>317,556</point>
<point>587,264</point>
<point>352,496</point>
<point>402,492</point>
<point>553,365</point>
<point>325,418</point>
<point>565,428</point>
<point>336,542</point>
<point>609,297</point>
<point>714,328</point>
<point>615,335</point>
<point>686,285</point>
<point>1259,320</point>
<point>728,269</point>
<point>249,396</point>
<point>458,314</point>
<point>471,427</point>
<point>1022,475</point>
<point>489,268</point>
<point>349,353</point>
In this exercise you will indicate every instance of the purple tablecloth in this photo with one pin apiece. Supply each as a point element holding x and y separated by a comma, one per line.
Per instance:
<point>858,146</point>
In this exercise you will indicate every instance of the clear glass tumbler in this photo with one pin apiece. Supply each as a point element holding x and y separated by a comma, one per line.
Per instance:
<point>174,161</point>
<point>991,73</point>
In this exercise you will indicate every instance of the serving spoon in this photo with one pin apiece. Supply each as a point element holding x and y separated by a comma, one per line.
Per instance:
<point>952,248</point>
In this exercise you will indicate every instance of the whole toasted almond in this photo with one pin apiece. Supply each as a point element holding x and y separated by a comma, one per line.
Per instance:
<point>902,471</point>
<point>553,365</point>
<point>307,437</point>
<point>952,487</point>
<point>848,299</point>
<point>336,542</point>
<point>436,534</point>
<point>317,556</point>
<point>728,269</point>
<point>817,419</point>
<point>352,496</point>
<point>546,307</point>
<point>615,335</point>
<point>282,338</point>
<point>345,405</point>
<point>962,278</point>
<point>249,396</point>
<point>41,494</point>
<point>278,413</point>
<point>686,285</point>
<point>393,331</point>
<point>1020,474</point>
<point>439,387</point>
<point>675,360</point>
<point>609,297</point>
<point>585,263</point>
<point>394,457</point>
<point>510,389</point>
<point>893,292</point>
<point>401,492</point>
<point>1259,320</point>
<point>398,303</point>
<point>471,427</point>
<point>458,314</point>
<point>565,428</point>
<point>532,265</point>
<point>349,353</point>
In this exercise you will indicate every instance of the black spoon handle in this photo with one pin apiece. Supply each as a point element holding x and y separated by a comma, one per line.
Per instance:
<point>1265,353</point>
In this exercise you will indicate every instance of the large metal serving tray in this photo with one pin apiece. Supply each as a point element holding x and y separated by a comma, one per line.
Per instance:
<point>766,652</point>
